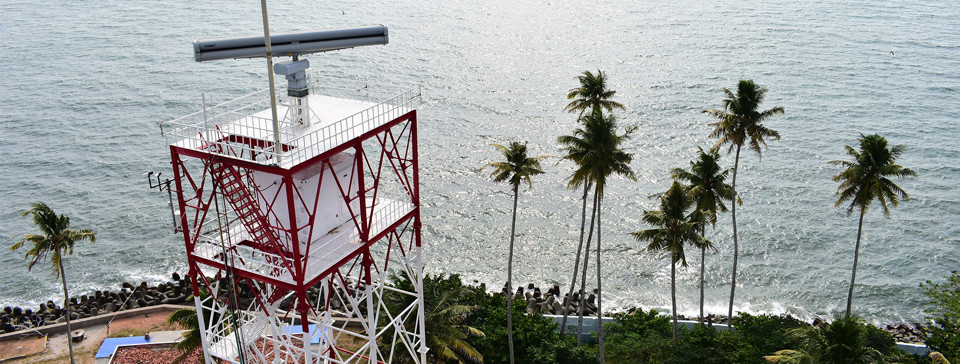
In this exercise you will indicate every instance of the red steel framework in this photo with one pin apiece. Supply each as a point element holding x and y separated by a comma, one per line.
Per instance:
<point>280,288</point>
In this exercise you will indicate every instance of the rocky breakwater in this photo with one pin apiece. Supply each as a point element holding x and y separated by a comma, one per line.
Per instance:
<point>176,291</point>
<point>552,303</point>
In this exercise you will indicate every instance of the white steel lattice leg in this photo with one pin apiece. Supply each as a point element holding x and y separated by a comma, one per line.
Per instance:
<point>420,315</point>
<point>203,329</point>
<point>371,323</point>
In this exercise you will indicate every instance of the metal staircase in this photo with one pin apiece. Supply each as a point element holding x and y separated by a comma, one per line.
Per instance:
<point>247,209</point>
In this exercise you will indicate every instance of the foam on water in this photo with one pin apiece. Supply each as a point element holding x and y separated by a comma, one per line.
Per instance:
<point>85,82</point>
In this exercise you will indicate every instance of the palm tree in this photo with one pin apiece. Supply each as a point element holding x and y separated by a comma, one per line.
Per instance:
<point>187,319</point>
<point>739,123</point>
<point>579,178</point>
<point>518,167</point>
<point>591,94</point>
<point>708,189</point>
<point>867,178</point>
<point>596,148</point>
<point>842,341</point>
<point>56,238</point>
<point>677,223</point>
<point>446,334</point>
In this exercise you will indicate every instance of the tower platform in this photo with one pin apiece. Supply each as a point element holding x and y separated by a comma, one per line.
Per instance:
<point>245,125</point>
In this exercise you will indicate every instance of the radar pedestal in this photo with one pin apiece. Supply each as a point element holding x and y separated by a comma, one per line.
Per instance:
<point>295,72</point>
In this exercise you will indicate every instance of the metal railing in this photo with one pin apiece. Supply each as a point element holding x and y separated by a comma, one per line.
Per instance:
<point>353,126</point>
<point>248,116</point>
<point>245,257</point>
<point>385,213</point>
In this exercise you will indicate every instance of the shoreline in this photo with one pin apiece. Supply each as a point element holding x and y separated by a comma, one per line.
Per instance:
<point>177,290</point>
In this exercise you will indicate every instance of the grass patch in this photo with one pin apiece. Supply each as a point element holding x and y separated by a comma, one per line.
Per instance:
<point>81,356</point>
<point>128,332</point>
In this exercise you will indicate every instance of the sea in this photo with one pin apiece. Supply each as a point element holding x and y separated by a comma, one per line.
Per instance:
<point>85,83</point>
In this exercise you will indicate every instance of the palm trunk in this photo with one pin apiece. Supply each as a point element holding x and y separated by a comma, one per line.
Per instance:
<point>66,305</point>
<point>513,229</point>
<point>576,264</point>
<point>673,292</point>
<point>599,193</point>
<point>736,246</point>
<point>583,277</point>
<point>703,258</point>
<point>856,257</point>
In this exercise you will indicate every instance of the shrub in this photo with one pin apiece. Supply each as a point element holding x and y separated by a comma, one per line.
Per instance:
<point>639,337</point>
<point>880,340</point>
<point>944,334</point>
<point>535,337</point>
<point>640,322</point>
<point>704,344</point>
<point>636,348</point>
<point>766,333</point>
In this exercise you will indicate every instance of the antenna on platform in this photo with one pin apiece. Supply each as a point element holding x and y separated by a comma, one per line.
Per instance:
<point>161,185</point>
<point>288,45</point>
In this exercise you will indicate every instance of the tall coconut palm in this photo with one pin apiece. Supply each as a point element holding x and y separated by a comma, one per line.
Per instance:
<point>188,320</point>
<point>447,336</point>
<point>708,189</point>
<point>574,152</point>
<point>867,179</point>
<point>56,238</point>
<point>596,148</point>
<point>741,123</point>
<point>517,168</point>
<point>592,94</point>
<point>677,223</point>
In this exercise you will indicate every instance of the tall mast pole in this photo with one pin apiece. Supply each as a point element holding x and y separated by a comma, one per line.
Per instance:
<point>273,89</point>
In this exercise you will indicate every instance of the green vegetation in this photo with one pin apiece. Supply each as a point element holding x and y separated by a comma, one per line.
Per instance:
<point>638,337</point>
<point>867,178</point>
<point>945,332</point>
<point>186,318</point>
<point>517,168</point>
<point>447,305</point>
<point>845,340</point>
<point>56,239</point>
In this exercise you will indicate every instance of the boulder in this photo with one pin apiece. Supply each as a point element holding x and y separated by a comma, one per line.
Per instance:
<point>557,308</point>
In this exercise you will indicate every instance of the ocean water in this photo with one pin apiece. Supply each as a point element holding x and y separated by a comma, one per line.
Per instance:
<point>85,82</point>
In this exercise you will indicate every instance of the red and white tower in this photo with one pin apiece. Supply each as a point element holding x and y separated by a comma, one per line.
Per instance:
<point>293,225</point>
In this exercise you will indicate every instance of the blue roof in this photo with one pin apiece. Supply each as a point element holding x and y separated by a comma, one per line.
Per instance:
<point>314,338</point>
<point>110,345</point>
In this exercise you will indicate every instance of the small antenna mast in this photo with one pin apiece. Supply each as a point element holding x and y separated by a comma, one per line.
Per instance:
<point>273,90</point>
